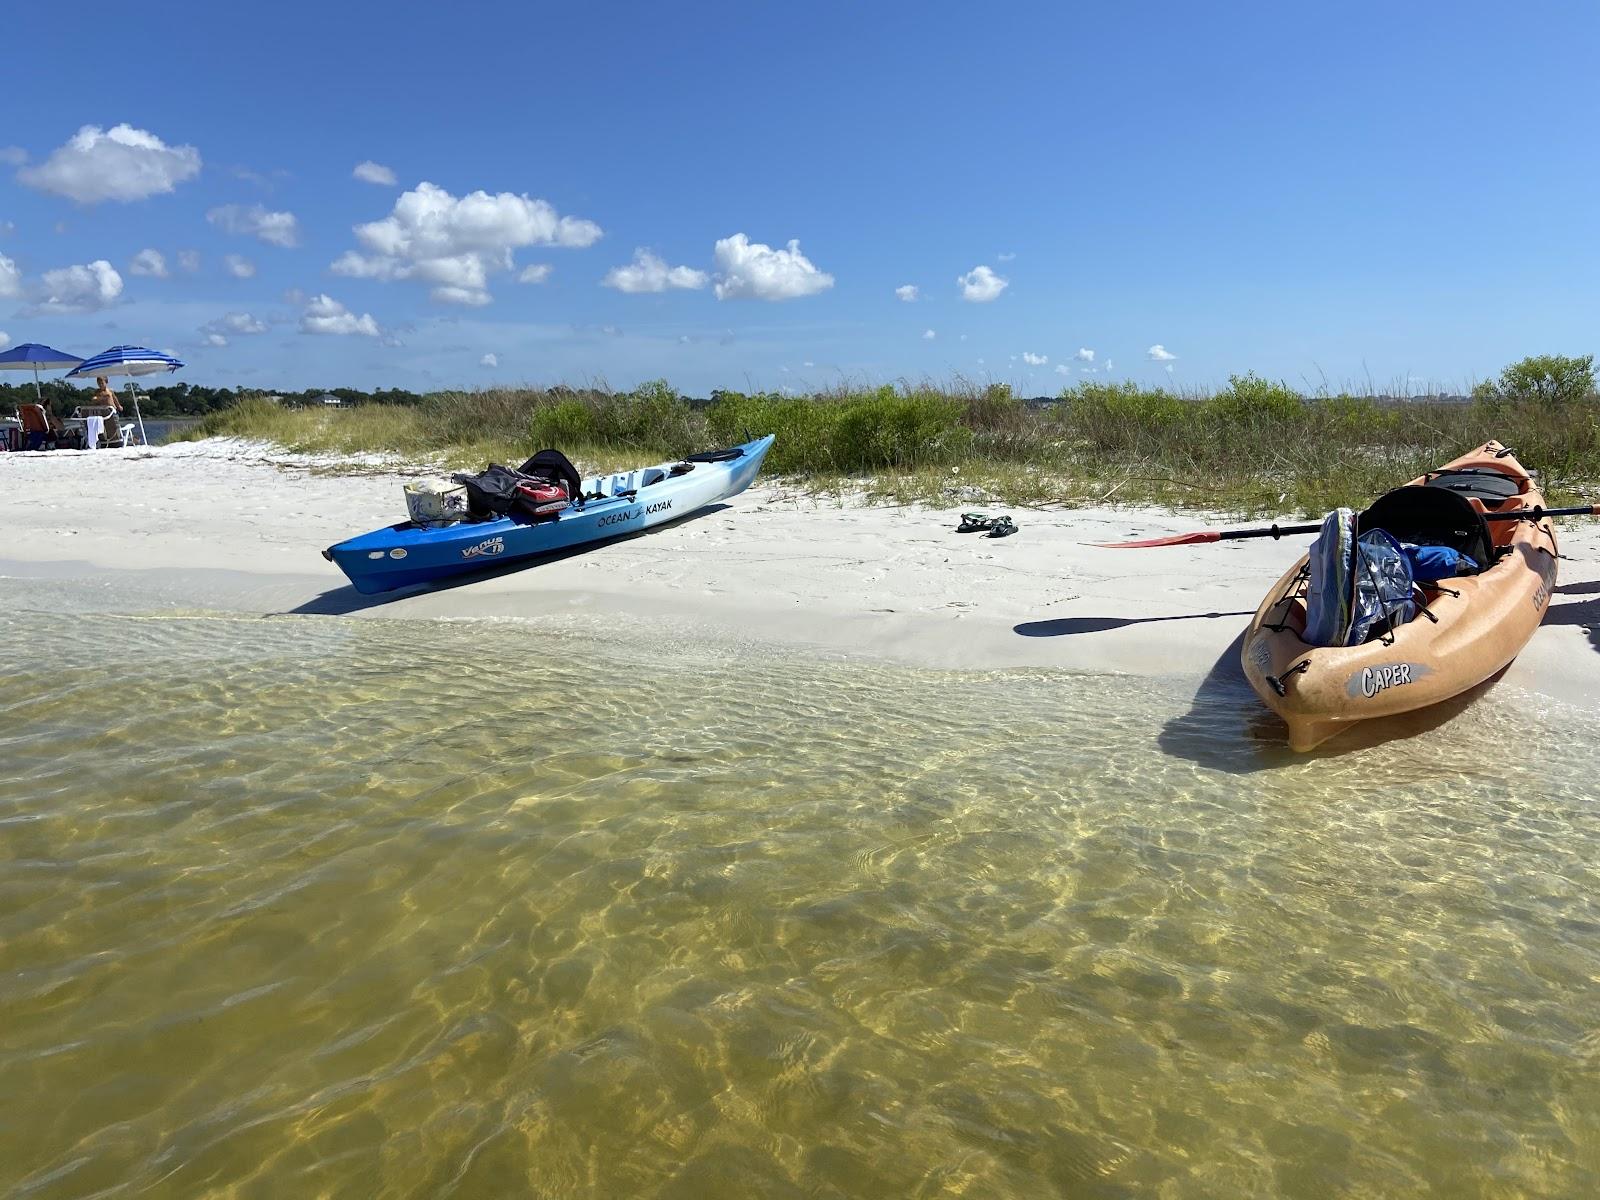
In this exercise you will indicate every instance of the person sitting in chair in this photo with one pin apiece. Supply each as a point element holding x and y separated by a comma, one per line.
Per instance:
<point>40,429</point>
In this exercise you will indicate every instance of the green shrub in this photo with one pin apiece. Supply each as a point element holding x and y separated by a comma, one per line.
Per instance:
<point>995,410</point>
<point>488,415</point>
<point>652,420</point>
<point>1351,418</point>
<point>903,431</point>
<point>1121,418</point>
<point>1543,379</point>
<point>566,422</point>
<point>803,427</point>
<point>1250,400</point>
<point>850,432</point>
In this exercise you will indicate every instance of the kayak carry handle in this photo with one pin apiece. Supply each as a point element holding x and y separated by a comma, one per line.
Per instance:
<point>1279,683</point>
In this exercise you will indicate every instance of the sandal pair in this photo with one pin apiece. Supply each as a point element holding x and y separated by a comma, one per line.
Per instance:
<point>973,522</point>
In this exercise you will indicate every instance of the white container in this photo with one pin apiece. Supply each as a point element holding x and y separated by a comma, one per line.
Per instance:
<point>436,502</point>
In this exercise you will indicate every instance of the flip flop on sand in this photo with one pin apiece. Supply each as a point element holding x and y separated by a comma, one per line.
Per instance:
<point>973,522</point>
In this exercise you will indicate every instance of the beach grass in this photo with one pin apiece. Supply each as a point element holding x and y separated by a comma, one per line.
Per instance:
<point>1255,447</point>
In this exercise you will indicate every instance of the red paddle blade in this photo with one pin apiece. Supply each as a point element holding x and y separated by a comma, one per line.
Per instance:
<point>1177,539</point>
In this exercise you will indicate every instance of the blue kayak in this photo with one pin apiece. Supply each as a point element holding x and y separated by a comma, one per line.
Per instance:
<point>400,555</point>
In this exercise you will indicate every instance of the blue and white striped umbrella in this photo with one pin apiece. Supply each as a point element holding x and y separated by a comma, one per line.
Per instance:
<point>129,361</point>
<point>124,360</point>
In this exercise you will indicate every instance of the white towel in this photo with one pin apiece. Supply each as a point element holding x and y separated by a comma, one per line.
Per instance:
<point>93,427</point>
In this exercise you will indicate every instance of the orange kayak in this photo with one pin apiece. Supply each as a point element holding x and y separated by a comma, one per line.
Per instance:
<point>1469,629</point>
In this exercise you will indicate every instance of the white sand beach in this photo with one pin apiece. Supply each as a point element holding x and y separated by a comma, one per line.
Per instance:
<point>239,526</point>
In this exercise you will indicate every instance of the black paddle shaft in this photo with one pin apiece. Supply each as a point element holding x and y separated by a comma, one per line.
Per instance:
<point>1537,513</point>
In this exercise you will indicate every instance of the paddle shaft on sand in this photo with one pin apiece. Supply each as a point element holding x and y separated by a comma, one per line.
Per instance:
<point>1537,513</point>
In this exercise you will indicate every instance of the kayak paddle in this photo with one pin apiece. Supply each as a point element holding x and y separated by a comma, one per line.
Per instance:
<point>1537,513</point>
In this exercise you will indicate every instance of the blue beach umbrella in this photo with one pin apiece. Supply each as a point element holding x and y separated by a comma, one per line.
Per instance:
<point>129,361</point>
<point>31,355</point>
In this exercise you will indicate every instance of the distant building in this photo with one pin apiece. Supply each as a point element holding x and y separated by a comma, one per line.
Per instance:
<point>328,398</point>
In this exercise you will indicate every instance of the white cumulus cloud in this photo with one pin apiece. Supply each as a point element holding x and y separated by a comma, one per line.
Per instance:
<point>122,163</point>
<point>1084,355</point>
<point>1035,360</point>
<point>12,156</point>
<point>457,244</point>
<point>1159,353</point>
<point>1063,369</point>
<point>470,297</point>
<point>928,335</point>
<point>238,266</point>
<point>274,228</point>
<point>189,260</point>
<point>489,360</point>
<point>231,323</point>
<point>1005,257</point>
<point>906,292</point>
<point>534,273</point>
<point>10,278</point>
<point>148,262</point>
<point>5,339</point>
<point>324,314</point>
<point>980,285</point>
<point>749,270</point>
<point>648,273</point>
<point>371,172</point>
<point>85,288</point>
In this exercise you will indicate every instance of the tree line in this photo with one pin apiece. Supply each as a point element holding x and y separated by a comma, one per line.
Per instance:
<point>188,399</point>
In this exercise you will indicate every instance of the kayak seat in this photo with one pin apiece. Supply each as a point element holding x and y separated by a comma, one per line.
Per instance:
<point>1424,515</point>
<point>1490,487</point>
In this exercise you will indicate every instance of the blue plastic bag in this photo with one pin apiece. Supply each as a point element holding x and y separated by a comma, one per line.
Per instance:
<point>1429,563</point>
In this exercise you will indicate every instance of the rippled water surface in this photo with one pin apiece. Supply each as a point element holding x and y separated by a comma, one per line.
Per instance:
<point>322,907</point>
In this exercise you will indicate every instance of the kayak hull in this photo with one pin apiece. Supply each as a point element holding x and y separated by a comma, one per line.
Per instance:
<point>1321,691</point>
<point>405,555</point>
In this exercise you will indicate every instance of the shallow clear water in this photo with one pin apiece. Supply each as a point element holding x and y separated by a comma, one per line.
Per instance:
<point>306,907</point>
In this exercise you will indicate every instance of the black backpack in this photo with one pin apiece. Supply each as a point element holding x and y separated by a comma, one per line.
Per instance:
<point>493,492</point>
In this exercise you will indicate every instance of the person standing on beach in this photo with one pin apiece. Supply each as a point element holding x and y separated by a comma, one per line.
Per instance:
<point>104,395</point>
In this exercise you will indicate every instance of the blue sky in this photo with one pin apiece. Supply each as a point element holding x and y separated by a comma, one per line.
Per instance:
<point>1367,192</point>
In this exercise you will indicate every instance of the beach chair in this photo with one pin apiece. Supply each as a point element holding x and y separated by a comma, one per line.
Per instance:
<point>114,432</point>
<point>36,431</point>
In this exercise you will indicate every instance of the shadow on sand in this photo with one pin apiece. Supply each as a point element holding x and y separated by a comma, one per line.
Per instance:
<point>344,600</point>
<point>1067,626</point>
<point>1585,614</point>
